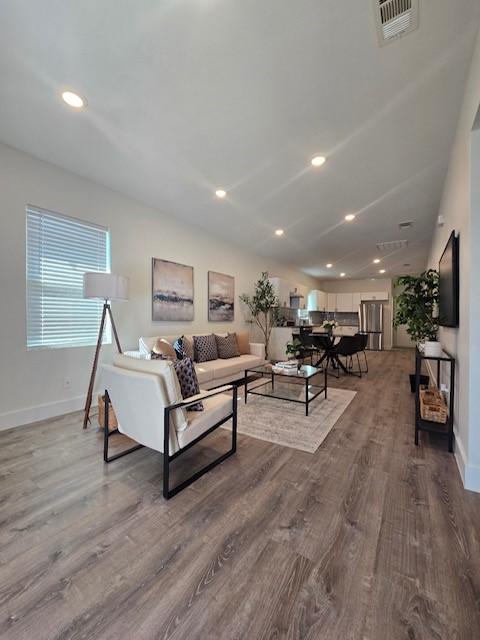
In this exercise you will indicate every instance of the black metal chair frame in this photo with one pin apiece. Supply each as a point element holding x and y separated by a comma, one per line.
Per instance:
<point>167,458</point>
<point>349,357</point>
<point>364,354</point>
<point>308,348</point>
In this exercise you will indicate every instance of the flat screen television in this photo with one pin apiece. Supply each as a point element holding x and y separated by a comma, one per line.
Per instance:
<point>449,284</point>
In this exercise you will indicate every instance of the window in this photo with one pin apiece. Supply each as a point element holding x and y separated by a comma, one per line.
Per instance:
<point>59,251</point>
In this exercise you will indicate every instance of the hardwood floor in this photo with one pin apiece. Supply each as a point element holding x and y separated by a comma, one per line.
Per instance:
<point>370,538</point>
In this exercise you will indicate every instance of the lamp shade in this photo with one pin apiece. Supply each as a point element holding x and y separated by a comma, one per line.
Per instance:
<point>106,286</point>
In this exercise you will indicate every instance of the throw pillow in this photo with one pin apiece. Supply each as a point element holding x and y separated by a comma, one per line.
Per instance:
<point>187,377</point>
<point>243,342</point>
<point>227,346</point>
<point>183,348</point>
<point>205,348</point>
<point>163,350</point>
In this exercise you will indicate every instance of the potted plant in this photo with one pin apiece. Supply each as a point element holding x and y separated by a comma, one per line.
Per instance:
<point>329,326</point>
<point>261,306</point>
<point>417,308</point>
<point>295,350</point>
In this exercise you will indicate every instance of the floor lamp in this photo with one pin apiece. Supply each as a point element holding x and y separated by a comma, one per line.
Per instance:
<point>106,287</point>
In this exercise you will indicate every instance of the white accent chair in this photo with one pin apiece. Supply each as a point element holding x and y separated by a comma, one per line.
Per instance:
<point>151,411</point>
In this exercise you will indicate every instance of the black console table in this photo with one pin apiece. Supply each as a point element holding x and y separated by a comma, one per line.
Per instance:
<point>427,425</point>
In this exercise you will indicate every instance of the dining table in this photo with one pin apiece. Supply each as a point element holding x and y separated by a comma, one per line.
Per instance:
<point>325,341</point>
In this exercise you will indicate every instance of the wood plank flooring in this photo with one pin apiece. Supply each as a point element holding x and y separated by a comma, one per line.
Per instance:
<point>370,538</point>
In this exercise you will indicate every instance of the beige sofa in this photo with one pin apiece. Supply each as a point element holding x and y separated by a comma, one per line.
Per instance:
<point>215,372</point>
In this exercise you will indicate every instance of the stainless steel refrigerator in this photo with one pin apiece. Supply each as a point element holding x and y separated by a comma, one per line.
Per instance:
<point>371,322</point>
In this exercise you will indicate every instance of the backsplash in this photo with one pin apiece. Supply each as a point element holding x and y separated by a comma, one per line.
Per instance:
<point>317,317</point>
<point>288,316</point>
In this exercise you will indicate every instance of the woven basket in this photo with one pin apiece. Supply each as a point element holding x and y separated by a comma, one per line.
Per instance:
<point>112,418</point>
<point>432,406</point>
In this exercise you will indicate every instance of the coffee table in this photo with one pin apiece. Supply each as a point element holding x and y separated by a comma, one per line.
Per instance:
<point>282,385</point>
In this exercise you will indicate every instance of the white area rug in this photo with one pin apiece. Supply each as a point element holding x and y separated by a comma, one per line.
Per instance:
<point>285,423</point>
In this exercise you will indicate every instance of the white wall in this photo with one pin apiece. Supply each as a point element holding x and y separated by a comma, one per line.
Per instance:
<point>32,382</point>
<point>366,285</point>
<point>459,214</point>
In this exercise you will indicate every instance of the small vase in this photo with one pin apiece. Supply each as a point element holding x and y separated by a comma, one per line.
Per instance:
<point>432,348</point>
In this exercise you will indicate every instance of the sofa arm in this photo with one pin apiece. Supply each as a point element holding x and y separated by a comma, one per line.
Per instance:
<point>138,355</point>
<point>257,349</point>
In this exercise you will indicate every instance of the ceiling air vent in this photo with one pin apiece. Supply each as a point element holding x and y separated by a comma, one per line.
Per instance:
<point>393,245</point>
<point>408,224</point>
<point>395,18</point>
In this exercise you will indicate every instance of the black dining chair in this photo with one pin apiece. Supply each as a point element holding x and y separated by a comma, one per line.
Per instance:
<point>348,347</point>
<point>363,348</point>
<point>309,348</point>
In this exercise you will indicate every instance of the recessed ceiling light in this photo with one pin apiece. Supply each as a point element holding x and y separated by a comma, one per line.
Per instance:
<point>74,100</point>
<point>376,261</point>
<point>342,275</point>
<point>382,271</point>
<point>317,161</point>
<point>350,217</point>
<point>329,265</point>
<point>220,193</point>
<point>279,232</point>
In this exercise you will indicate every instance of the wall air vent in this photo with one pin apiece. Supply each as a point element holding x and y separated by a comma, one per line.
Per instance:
<point>395,18</point>
<point>393,245</point>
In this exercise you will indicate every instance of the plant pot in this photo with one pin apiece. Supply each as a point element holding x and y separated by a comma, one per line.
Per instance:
<point>432,348</point>
<point>424,381</point>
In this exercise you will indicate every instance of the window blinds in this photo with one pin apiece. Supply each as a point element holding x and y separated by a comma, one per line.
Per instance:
<point>59,251</point>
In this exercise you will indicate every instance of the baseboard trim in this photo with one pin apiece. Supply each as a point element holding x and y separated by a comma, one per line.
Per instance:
<point>22,417</point>
<point>469,473</point>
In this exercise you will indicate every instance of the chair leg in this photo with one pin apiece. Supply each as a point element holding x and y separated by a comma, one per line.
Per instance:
<point>359,367</point>
<point>366,361</point>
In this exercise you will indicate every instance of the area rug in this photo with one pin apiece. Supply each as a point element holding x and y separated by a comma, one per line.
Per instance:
<point>285,423</point>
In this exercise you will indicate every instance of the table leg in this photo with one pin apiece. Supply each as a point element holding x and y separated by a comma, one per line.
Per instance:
<point>306,397</point>
<point>245,390</point>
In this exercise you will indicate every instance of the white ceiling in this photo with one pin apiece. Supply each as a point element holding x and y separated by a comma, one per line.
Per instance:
<point>189,95</point>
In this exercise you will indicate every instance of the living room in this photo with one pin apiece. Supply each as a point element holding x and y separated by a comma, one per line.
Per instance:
<point>243,186</point>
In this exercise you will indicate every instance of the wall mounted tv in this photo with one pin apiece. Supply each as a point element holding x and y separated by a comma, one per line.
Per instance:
<point>449,269</point>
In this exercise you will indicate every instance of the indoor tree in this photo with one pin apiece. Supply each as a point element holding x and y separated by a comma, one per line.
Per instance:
<point>261,305</point>
<point>417,305</point>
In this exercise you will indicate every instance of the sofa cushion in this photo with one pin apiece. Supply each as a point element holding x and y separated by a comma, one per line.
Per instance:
<point>163,349</point>
<point>243,342</point>
<point>187,378</point>
<point>227,346</point>
<point>215,409</point>
<point>183,348</point>
<point>205,348</point>
<point>224,368</point>
<point>205,371</point>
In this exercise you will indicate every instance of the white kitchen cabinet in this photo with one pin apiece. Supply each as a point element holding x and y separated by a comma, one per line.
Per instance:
<point>375,295</point>
<point>356,300</point>
<point>317,300</point>
<point>344,302</point>
<point>331,301</point>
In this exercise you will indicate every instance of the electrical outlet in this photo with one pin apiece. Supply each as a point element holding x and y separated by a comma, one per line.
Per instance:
<point>445,388</point>
<point>67,383</point>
